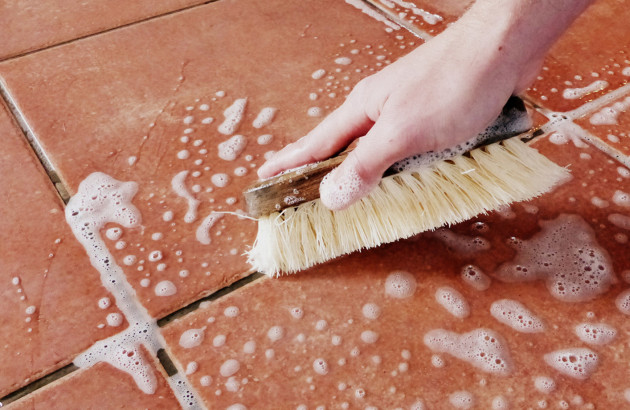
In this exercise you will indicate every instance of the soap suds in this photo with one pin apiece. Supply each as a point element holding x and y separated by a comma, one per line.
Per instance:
<point>203,231</point>
<point>578,363</point>
<point>566,255</point>
<point>597,334</point>
<point>230,150</point>
<point>453,301</point>
<point>265,116</point>
<point>233,117</point>
<point>179,187</point>
<point>575,93</point>
<point>515,315</point>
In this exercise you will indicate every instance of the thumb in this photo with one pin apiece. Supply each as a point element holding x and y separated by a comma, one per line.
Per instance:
<point>363,168</point>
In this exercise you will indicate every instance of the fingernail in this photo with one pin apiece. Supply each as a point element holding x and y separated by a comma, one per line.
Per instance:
<point>342,187</point>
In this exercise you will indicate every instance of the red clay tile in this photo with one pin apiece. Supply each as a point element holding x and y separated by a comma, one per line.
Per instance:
<point>589,60</point>
<point>50,293</point>
<point>354,333</point>
<point>33,25</point>
<point>100,386</point>
<point>146,103</point>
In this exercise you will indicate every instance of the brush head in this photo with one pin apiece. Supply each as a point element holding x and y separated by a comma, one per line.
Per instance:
<point>424,192</point>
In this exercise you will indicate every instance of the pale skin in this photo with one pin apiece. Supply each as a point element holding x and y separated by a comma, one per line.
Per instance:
<point>441,94</point>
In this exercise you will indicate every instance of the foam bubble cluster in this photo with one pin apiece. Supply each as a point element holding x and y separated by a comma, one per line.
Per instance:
<point>453,301</point>
<point>566,255</point>
<point>191,338</point>
<point>623,302</point>
<point>484,349</point>
<point>544,384</point>
<point>400,284</point>
<point>597,334</point>
<point>578,363</point>
<point>515,315</point>
<point>230,150</point>
<point>462,399</point>
<point>475,277</point>
<point>233,116</point>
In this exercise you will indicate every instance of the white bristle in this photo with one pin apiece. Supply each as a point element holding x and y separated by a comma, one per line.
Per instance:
<point>403,205</point>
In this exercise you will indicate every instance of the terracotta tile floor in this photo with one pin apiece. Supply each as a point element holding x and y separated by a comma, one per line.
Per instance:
<point>153,102</point>
<point>334,335</point>
<point>155,118</point>
<point>50,293</point>
<point>32,25</point>
<point>100,386</point>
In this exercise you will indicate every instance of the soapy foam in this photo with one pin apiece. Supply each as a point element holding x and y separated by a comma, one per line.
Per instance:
<point>578,363</point>
<point>265,116</point>
<point>233,117</point>
<point>400,285</point>
<point>575,93</point>
<point>179,187</point>
<point>484,349</point>
<point>544,384</point>
<point>229,367</point>
<point>369,336</point>
<point>264,139</point>
<point>597,334</point>
<point>428,18</point>
<point>275,333</point>
<point>337,191</point>
<point>317,74</point>
<point>621,198</point>
<point>371,311</point>
<point>220,180</point>
<point>623,302</point>
<point>462,244</point>
<point>192,338</point>
<point>565,254</point>
<point>609,115</point>
<point>230,149</point>
<point>453,301</point>
<point>203,230</point>
<point>165,288</point>
<point>500,403</point>
<point>475,277</point>
<point>359,4</point>
<point>462,399</point>
<point>320,366</point>
<point>620,221</point>
<point>515,315</point>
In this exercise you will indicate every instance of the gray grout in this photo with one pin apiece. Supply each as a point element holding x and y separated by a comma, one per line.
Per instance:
<point>37,384</point>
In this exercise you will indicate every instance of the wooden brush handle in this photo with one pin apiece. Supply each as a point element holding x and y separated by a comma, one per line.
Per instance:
<point>300,185</point>
<point>289,189</point>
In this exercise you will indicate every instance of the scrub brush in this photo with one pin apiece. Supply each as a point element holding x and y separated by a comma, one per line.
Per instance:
<point>420,193</point>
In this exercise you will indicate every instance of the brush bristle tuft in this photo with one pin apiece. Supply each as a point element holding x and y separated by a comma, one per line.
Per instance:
<point>403,205</point>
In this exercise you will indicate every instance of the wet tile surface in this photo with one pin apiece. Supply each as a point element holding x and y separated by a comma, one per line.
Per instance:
<point>50,292</point>
<point>355,333</point>
<point>159,118</point>
<point>430,17</point>
<point>588,61</point>
<point>611,124</point>
<point>101,386</point>
<point>32,25</point>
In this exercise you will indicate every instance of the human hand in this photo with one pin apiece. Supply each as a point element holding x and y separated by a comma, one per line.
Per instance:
<point>439,95</point>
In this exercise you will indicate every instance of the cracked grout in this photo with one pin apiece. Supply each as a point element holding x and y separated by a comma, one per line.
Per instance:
<point>97,33</point>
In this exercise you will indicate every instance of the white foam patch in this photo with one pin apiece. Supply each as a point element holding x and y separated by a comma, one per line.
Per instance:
<point>275,333</point>
<point>369,336</point>
<point>338,190</point>
<point>484,349</point>
<point>165,288</point>
<point>515,315</point>
<point>610,115</point>
<point>597,334</point>
<point>623,302</point>
<point>500,403</point>
<point>620,221</point>
<point>428,18</point>
<point>233,117</point>
<point>230,150</point>
<point>566,255</point>
<point>229,367</point>
<point>575,93</point>
<point>371,311</point>
<point>474,277</point>
<point>453,301</point>
<point>621,198</point>
<point>317,74</point>
<point>202,234</point>
<point>343,60</point>
<point>578,363</point>
<point>320,366</point>
<point>400,285</point>
<point>264,117</point>
<point>462,399</point>
<point>192,338</point>
<point>179,187</point>
<point>359,4</point>
<point>544,384</point>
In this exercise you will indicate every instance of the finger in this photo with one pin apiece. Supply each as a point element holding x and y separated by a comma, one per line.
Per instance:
<point>362,170</point>
<point>334,133</point>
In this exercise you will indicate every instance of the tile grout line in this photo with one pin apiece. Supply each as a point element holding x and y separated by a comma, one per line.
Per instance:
<point>31,139</point>
<point>97,33</point>
<point>38,384</point>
